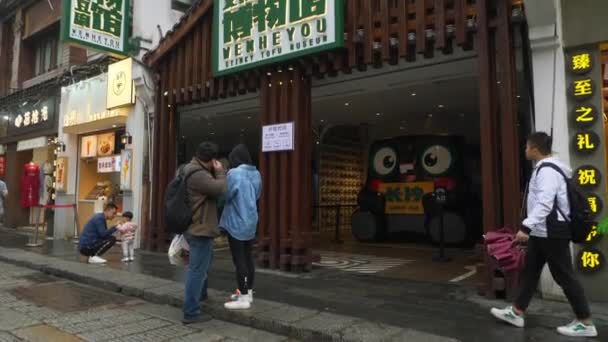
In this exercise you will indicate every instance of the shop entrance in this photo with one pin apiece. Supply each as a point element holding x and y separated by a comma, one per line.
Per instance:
<point>393,129</point>
<point>384,142</point>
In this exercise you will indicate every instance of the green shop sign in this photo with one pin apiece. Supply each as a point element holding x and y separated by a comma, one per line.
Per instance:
<point>250,33</point>
<point>97,24</point>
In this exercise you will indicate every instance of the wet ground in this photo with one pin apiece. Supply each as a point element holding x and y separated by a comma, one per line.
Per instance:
<point>443,309</point>
<point>36,307</point>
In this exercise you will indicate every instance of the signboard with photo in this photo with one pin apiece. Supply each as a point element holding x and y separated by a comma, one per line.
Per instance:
<point>88,146</point>
<point>97,24</point>
<point>126,170</point>
<point>61,174</point>
<point>252,33</point>
<point>106,144</point>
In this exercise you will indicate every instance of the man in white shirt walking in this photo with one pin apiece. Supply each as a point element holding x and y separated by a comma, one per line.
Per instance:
<point>548,236</point>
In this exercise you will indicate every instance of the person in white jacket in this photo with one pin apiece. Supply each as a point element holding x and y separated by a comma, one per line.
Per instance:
<point>548,236</point>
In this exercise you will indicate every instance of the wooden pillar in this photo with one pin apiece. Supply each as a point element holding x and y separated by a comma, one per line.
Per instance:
<point>488,122</point>
<point>286,204</point>
<point>508,117</point>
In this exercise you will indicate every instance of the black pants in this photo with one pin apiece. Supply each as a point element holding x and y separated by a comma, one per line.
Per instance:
<point>556,253</point>
<point>242,256</point>
<point>99,247</point>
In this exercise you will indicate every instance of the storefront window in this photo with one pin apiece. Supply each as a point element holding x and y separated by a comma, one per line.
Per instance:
<point>99,172</point>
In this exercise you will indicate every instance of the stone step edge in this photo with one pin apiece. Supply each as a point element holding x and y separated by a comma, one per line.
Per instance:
<point>214,307</point>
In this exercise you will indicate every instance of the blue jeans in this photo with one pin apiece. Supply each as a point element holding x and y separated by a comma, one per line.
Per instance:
<point>201,252</point>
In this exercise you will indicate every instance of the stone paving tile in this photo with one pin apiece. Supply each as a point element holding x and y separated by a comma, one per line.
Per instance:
<point>6,337</point>
<point>326,322</point>
<point>45,333</point>
<point>107,322</point>
<point>201,337</point>
<point>365,331</point>
<point>36,312</point>
<point>121,330</point>
<point>11,320</point>
<point>165,312</point>
<point>237,332</point>
<point>167,333</point>
<point>87,316</point>
<point>6,299</point>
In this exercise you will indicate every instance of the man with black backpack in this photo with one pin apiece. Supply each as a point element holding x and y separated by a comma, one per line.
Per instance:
<point>205,180</point>
<point>548,230</point>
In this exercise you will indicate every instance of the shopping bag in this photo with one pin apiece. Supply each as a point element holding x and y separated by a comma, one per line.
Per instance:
<point>178,251</point>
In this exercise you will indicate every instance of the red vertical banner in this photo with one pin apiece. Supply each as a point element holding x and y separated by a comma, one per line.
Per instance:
<point>2,166</point>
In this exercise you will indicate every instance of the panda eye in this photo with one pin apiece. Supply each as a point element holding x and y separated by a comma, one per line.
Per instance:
<point>385,161</point>
<point>436,160</point>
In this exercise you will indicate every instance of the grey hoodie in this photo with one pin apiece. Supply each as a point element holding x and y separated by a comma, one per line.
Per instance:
<point>545,187</point>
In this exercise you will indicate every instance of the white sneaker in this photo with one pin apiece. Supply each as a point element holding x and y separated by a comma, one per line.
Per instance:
<point>132,259</point>
<point>241,303</point>
<point>508,315</point>
<point>236,295</point>
<point>125,259</point>
<point>96,260</point>
<point>578,329</point>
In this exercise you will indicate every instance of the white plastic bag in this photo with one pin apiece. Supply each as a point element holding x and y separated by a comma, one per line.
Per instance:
<point>178,250</point>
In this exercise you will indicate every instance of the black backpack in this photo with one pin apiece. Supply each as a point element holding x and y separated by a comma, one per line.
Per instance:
<point>579,222</point>
<point>178,214</point>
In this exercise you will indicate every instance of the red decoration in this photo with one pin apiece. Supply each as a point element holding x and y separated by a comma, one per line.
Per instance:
<point>30,185</point>
<point>2,166</point>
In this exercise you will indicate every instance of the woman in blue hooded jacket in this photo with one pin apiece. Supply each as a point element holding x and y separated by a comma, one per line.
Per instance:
<point>240,220</point>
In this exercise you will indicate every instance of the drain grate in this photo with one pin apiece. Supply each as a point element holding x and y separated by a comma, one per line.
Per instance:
<point>67,297</point>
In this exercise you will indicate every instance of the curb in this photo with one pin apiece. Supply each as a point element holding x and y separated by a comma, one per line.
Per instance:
<point>278,318</point>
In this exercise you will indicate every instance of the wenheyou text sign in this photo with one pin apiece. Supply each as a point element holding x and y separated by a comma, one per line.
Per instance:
<point>97,24</point>
<point>250,33</point>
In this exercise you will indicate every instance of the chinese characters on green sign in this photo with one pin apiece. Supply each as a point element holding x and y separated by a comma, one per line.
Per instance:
<point>248,33</point>
<point>99,24</point>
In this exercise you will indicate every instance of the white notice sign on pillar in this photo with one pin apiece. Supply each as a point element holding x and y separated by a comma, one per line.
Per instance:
<point>277,137</point>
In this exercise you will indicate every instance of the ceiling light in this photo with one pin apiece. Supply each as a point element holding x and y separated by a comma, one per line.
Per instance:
<point>346,104</point>
<point>322,121</point>
<point>113,126</point>
<point>402,128</point>
<point>519,96</point>
<point>430,115</point>
<point>249,118</point>
<point>212,133</point>
<point>269,73</point>
<point>378,114</point>
<point>413,94</point>
<point>440,106</point>
<point>166,93</point>
<point>6,117</point>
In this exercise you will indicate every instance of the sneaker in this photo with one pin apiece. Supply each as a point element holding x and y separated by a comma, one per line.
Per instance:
<point>236,295</point>
<point>578,329</point>
<point>508,315</point>
<point>132,259</point>
<point>125,259</point>
<point>241,303</point>
<point>202,318</point>
<point>96,260</point>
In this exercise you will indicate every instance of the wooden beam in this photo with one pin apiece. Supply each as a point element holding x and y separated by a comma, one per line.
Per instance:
<point>440,38</point>
<point>508,117</point>
<point>488,123</point>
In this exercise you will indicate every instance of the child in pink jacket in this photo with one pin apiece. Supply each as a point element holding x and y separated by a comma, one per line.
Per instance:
<point>127,236</point>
